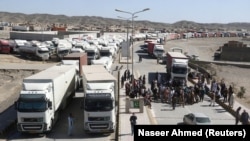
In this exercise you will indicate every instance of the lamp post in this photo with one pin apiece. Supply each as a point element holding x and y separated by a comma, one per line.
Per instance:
<point>133,16</point>
<point>127,19</point>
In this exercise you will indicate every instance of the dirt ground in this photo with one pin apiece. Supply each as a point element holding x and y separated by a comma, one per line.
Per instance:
<point>10,80</point>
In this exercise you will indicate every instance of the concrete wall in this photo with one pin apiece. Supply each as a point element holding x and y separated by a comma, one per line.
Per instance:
<point>235,54</point>
<point>33,36</point>
<point>49,35</point>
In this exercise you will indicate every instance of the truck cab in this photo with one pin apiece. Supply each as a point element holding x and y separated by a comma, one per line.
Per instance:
<point>5,46</point>
<point>179,69</point>
<point>99,105</point>
<point>159,51</point>
<point>92,53</point>
<point>34,107</point>
<point>177,66</point>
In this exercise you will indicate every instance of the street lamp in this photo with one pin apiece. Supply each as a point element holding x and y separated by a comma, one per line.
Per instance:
<point>132,15</point>
<point>127,19</point>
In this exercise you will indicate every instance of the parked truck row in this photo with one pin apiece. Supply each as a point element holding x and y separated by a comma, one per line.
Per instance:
<point>48,92</point>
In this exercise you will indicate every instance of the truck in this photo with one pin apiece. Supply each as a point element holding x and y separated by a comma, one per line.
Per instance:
<point>156,50</point>
<point>107,51</point>
<point>105,61</point>
<point>77,59</point>
<point>42,97</point>
<point>92,52</point>
<point>177,67</point>
<point>63,48</point>
<point>5,46</point>
<point>36,51</point>
<point>100,98</point>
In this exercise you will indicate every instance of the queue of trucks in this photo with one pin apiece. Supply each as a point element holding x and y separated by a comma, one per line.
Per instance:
<point>46,93</point>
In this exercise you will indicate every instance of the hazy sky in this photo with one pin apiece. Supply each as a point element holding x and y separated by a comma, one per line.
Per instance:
<point>166,11</point>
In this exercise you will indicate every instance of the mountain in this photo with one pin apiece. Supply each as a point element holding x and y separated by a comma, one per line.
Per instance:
<point>94,20</point>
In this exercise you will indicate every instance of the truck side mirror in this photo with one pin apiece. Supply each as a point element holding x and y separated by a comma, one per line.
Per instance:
<point>50,105</point>
<point>16,105</point>
<point>82,105</point>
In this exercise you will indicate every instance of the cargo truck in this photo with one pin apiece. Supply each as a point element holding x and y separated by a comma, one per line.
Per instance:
<point>34,51</point>
<point>5,46</point>
<point>156,50</point>
<point>100,97</point>
<point>107,62</point>
<point>93,53</point>
<point>77,59</point>
<point>177,67</point>
<point>42,97</point>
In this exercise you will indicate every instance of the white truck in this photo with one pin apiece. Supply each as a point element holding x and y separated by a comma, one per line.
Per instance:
<point>104,61</point>
<point>36,51</point>
<point>100,97</point>
<point>42,97</point>
<point>177,67</point>
<point>92,52</point>
<point>107,51</point>
<point>63,48</point>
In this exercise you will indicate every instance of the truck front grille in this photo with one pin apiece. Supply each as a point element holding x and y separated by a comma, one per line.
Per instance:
<point>32,127</point>
<point>99,126</point>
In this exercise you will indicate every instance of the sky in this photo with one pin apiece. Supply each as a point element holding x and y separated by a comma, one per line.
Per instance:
<point>164,11</point>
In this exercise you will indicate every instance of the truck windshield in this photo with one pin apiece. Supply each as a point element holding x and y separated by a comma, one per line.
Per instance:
<point>92,105</point>
<point>43,51</point>
<point>179,70</point>
<point>63,51</point>
<point>159,50</point>
<point>32,103</point>
<point>105,54</point>
<point>90,53</point>
<point>32,106</point>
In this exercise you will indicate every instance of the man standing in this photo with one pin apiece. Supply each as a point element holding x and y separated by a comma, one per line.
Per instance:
<point>71,124</point>
<point>133,119</point>
<point>244,118</point>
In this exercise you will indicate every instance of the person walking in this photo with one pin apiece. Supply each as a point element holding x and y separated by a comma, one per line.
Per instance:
<point>174,100</point>
<point>140,58</point>
<point>133,119</point>
<point>212,100</point>
<point>70,124</point>
<point>237,116</point>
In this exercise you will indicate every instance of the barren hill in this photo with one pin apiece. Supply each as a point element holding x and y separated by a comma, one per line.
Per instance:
<point>94,20</point>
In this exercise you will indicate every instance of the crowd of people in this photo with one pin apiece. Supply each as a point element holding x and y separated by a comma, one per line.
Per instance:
<point>177,92</point>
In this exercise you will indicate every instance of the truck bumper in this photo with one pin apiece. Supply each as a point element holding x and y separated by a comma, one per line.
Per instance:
<point>32,128</point>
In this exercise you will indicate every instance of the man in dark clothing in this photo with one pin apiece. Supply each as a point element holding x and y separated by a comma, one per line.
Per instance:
<point>140,59</point>
<point>237,116</point>
<point>174,100</point>
<point>122,81</point>
<point>244,118</point>
<point>133,119</point>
